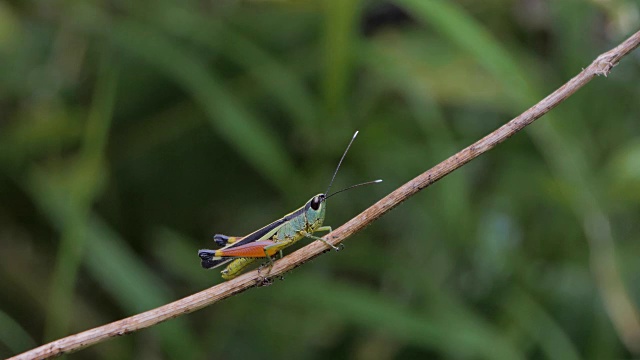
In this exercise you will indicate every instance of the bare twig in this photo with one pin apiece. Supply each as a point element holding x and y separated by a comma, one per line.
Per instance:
<point>601,66</point>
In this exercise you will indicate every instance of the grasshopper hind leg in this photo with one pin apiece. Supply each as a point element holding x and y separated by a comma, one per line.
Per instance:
<point>324,228</point>
<point>235,267</point>
<point>208,258</point>
<point>224,240</point>
<point>274,249</point>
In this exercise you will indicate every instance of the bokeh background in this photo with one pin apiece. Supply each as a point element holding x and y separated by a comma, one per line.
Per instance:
<point>131,132</point>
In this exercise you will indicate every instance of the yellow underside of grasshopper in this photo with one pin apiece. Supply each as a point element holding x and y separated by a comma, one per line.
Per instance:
<point>238,265</point>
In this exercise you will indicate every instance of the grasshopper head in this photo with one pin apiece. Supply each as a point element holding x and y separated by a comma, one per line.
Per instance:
<point>314,210</point>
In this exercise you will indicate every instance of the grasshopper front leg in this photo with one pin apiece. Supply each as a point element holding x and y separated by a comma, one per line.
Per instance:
<point>323,228</point>
<point>306,234</point>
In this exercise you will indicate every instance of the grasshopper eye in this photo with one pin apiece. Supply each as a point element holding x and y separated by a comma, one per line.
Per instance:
<point>316,201</point>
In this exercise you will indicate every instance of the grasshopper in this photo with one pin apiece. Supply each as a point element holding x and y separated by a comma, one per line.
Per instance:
<point>266,242</point>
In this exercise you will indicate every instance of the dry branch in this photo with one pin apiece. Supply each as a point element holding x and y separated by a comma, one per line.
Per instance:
<point>602,65</point>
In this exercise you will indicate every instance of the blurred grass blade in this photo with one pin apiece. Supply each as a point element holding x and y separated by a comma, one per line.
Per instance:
<point>135,286</point>
<point>462,30</point>
<point>118,270</point>
<point>341,22</point>
<point>254,141</point>
<point>269,72</point>
<point>83,184</point>
<point>66,199</point>
<point>453,336</point>
<point>539,325</point>
<point>175,251</point>
<point>279,81</point>
<point>13,336</point>
<point>560,150</point>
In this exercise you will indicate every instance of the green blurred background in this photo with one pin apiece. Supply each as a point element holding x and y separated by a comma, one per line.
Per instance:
<point>131,132</point>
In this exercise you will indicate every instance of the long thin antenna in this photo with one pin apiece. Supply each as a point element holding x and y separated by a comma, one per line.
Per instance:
<point>340,163</point>
<point>352,186</point>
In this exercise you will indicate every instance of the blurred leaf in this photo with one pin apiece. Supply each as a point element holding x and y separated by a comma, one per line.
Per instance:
<point>135,286</point>
<point>624,172</point>
<point>270,73</point>
<point>341,17</point>
<point>561,151</point>
<point>242,130</point>
<point>13,335</point>
<point>541,326</point>
<point>459,28</point>
<point>218,102</point>
<point>452,333</point>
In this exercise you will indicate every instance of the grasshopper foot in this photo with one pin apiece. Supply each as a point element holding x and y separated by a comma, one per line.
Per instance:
<point>264,281</point>
<point>220,239</point>
<point>336,248</point>
<point>262,266</point>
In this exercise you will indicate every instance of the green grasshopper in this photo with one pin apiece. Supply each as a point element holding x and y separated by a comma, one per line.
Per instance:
<point>240,252</point>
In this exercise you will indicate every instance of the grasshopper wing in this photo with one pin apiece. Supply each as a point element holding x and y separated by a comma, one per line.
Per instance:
<point>210,260</point>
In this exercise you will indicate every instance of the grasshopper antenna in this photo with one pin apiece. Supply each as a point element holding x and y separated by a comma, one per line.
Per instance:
<point>353,186</point>
<point>340,162</point>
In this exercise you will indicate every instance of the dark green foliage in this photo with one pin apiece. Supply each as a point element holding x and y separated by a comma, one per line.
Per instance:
<point>131,133</point>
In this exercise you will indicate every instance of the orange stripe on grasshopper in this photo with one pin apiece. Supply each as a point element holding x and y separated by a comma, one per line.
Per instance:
<point>250,250</point>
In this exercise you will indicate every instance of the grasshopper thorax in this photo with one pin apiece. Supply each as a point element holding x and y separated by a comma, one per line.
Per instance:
<point>314,210</point>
